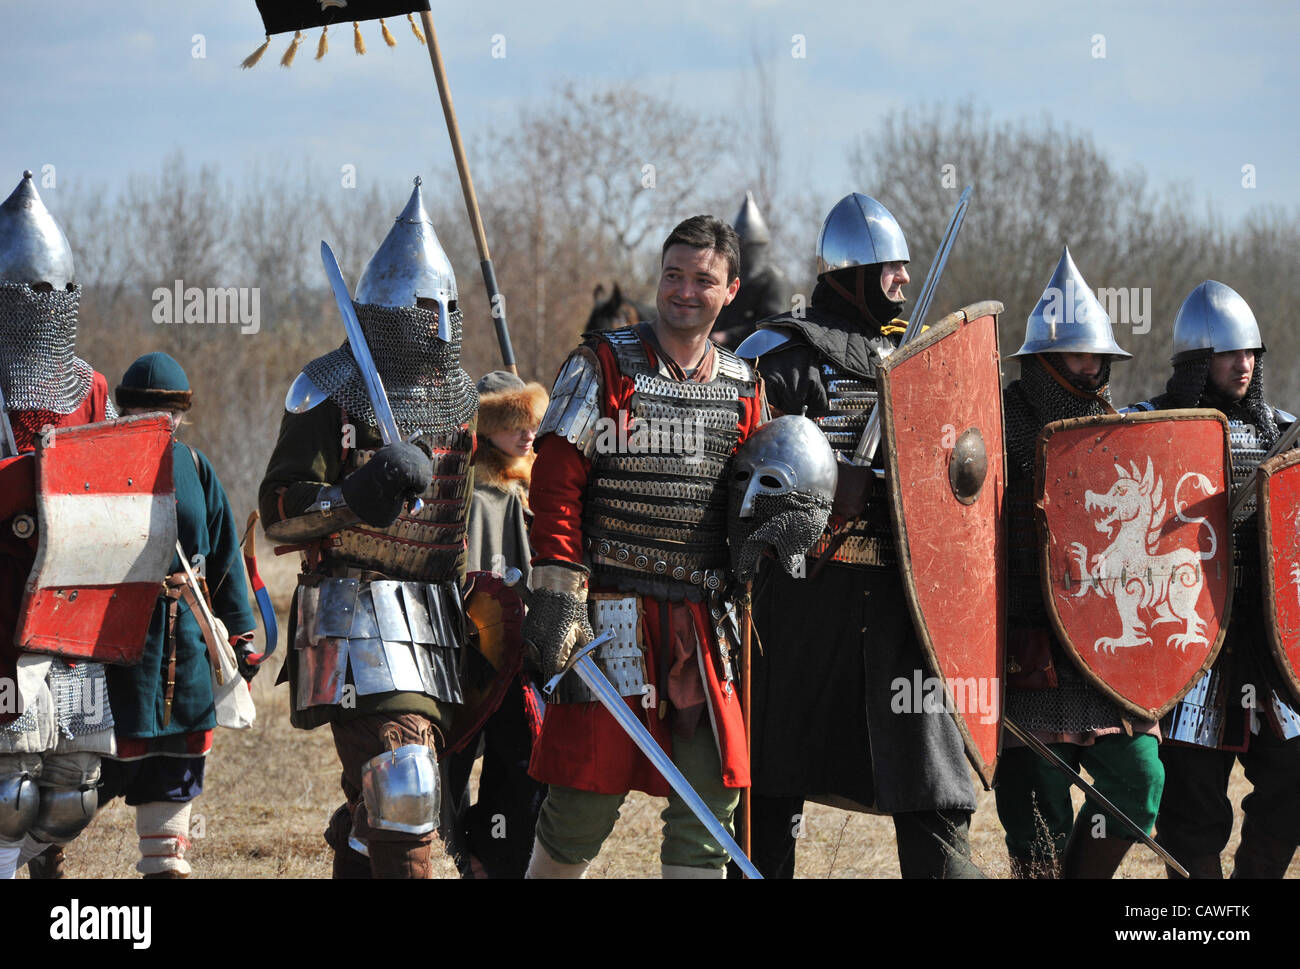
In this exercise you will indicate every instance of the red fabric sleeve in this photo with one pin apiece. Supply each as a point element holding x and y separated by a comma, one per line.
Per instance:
<point>559,483</point>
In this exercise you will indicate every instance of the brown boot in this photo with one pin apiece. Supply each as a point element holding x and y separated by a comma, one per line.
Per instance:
<point>1089,857</point>
<point>1260,855</point>
<point>350,864</point>
<point>48,864</point>
<point>395,859</point>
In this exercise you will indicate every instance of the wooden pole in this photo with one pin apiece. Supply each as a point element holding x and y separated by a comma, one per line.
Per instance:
<point>495,300</point>
<point>746,646</point>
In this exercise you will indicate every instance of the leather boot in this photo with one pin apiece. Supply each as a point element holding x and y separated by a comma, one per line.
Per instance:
<point>396,859</point>
<point>1089,857</point>
<point>48,864</point>
<point>1260,855</point>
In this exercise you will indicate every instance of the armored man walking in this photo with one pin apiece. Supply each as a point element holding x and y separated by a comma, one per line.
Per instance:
<point>630,494</point>
<point>378,618</point>
<point>51,744</point>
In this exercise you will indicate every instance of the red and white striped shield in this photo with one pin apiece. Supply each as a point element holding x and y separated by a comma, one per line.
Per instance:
<point>106,520</point>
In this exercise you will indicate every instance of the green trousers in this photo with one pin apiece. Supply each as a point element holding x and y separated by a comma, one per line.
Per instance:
<point>574,824</point>
<point>1033,797</point>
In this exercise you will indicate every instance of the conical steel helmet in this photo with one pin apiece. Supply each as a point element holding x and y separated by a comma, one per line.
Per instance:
<point>859,232</point>
<point>750,225</point>
<point>1069,318</point>
<point>1215,317</point>
<point>410,264</point>
<point>33,249</point>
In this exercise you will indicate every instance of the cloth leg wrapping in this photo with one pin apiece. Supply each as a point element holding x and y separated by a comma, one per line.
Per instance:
<point>687,843</point>
<point>164,829</point>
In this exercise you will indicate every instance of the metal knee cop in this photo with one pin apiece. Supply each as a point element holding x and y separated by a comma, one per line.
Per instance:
<point>401,790</point>
<point>19,804</point>
<point>64,812</point>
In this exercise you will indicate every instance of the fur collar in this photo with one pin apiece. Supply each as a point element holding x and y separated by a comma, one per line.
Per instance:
<point>495,468</point>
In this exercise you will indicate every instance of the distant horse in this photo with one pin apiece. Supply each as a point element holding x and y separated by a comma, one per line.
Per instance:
<point>609,313</point>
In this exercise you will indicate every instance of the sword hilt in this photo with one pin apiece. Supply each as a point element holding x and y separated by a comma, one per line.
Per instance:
<point>581,654</point>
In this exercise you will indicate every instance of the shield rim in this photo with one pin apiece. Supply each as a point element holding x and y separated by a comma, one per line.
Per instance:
<point>1044,546</point>
<point>951,323</point>
<point>1267,469</point>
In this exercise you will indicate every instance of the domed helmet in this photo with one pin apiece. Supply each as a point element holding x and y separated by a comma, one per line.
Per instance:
<point>1214,317</point>
<point>859,231</point>
<point>782,483</point>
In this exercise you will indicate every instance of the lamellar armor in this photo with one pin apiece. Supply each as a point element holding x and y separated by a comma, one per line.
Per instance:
<point>655,513</point>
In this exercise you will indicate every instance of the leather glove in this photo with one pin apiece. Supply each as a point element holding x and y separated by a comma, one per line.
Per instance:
<point>557,625</point>
<point>378,490</point>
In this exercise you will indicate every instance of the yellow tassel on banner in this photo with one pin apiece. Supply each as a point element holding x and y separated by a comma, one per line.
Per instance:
<point>389,39</point>
<point>358,42</point>
<point>414,29</point>
<point>292,49</point>
<point>256,56</point>
<point>324,44</point>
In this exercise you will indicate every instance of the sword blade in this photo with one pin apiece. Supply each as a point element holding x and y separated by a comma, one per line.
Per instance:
<point>1046,752</point>
<point>360,349</point>
<point>609,698</point>
<point>865,452</point>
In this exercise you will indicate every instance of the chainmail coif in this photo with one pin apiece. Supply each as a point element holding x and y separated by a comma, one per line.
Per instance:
<point>1189,386</point>
<point>1037,399</point>
<point>426,386</point>
<point>790,523</point>
<point>39,368</point>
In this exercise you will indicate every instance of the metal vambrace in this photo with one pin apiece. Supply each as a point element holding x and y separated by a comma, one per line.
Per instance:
<point>557,623</point>
<point>401,790</point>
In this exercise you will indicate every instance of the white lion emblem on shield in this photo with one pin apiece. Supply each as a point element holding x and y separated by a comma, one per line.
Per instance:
<point>1164,587</point>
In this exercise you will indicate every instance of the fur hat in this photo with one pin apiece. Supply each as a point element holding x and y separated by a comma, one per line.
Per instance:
<point>155,381</point>
<point>506,403</point>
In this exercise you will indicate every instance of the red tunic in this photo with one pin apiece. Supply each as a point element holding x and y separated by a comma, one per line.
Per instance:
<point>581,745</point>
<point>17,495</point>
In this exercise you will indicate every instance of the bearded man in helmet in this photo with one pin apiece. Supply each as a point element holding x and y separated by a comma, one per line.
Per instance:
<point>378,619</point>
<point>835,642</point>
<point>50,748</point>
<point>1218,363</point>
<point>1064,373</point>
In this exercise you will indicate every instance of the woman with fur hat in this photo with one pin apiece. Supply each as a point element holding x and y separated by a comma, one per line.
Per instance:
<point>164,708</point>
<point>509,414</point>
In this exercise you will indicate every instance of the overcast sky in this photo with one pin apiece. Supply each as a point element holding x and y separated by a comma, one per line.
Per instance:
<point>1192,91</point>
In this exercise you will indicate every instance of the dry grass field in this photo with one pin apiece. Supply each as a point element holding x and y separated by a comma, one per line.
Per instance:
<point>271,789</point>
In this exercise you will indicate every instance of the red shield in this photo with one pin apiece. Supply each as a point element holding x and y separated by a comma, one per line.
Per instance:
<point>942,423</point>
<point>106,523</point>
<point>1135,549</point>
<point>1279,539</point>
